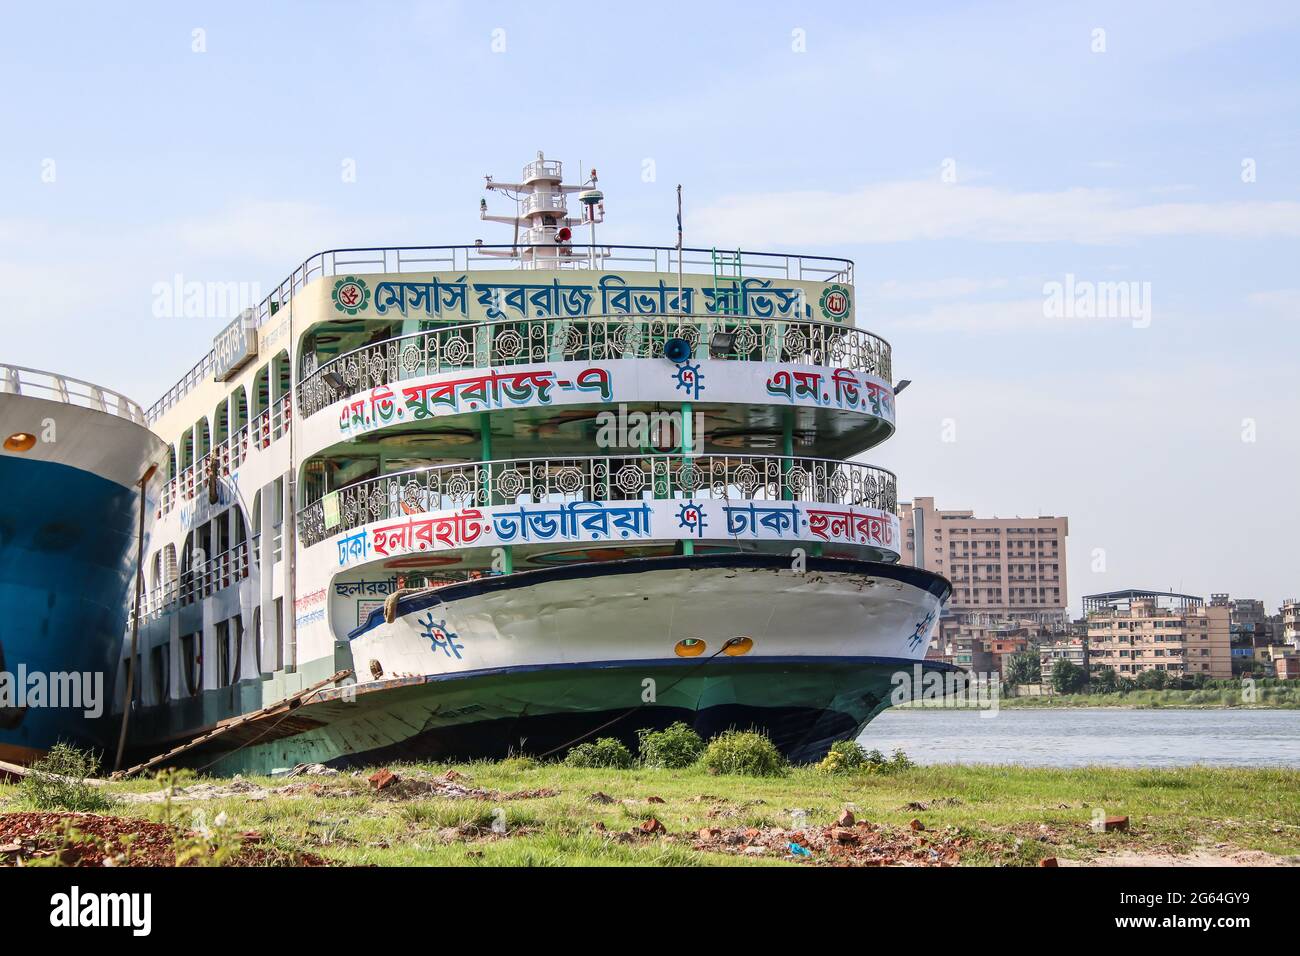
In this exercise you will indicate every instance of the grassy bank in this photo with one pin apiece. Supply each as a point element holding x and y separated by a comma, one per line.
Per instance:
<point>1276,698</point>
<point>518,813</point>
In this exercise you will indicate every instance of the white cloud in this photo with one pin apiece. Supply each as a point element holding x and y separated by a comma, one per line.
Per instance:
<point>975,316</point>
<point>282,232</point>
<point>1278,300</point>
<point>893,289</point>
<point>908,211</point>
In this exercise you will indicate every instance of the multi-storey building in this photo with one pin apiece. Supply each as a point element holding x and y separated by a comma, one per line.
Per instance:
<point>1248,620</point>
<point>1074,650</point>
<point>1291,622</point>
<point>1007,573</point>
<point>1133,631</point>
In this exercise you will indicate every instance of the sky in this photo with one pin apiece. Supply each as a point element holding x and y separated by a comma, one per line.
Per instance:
<point>974,159</point>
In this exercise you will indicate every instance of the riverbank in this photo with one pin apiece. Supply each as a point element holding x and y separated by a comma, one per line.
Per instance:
<point>1263,698</point>
<point>519,813</point>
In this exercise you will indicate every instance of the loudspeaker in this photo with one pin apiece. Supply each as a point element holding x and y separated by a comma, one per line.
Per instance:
<point>677,350</point>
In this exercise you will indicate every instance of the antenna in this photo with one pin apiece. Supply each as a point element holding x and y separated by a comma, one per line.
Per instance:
<point>542,216</point>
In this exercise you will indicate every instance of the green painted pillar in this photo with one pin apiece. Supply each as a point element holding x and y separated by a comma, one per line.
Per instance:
<point>688,445</point>
<point>485,455</point>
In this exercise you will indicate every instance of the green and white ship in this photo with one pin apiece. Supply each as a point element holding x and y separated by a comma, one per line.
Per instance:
<point>528,494</point>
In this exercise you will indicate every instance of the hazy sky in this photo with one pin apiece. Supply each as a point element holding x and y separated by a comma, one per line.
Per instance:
<point>965,157</point>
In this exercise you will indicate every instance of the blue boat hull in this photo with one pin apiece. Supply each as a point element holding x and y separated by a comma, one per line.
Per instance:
<point>67,554</point>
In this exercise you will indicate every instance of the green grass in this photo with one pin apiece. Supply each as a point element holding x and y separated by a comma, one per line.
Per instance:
<point>1287,698</point>
<point>1004,809</point>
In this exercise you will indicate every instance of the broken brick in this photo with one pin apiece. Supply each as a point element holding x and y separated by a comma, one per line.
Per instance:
<point>845,819</point>
<point>381,779</point>
<point>1115,823</point>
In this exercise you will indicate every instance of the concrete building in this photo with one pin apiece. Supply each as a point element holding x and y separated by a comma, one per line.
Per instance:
<point>1290,622</point>
<point>1248,621</point>
<point>1074,650</point>
<point>1007,568</point>
<point>1133,631</point>
<point>1008,574</point>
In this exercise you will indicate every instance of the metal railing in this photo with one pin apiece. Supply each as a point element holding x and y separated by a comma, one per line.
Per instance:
<point>229,455</point>
<point>602,478</point>
<point>477,257</point>
<point>525,341</point>
<point>215,574</point>
<point>17,380</point>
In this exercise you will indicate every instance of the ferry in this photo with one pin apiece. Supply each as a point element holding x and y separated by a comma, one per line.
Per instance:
<point>449,502</point>
<point>74,468</point>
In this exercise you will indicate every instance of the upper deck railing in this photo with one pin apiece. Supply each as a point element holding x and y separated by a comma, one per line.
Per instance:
<point>17,380</point>
<point>399,259</point>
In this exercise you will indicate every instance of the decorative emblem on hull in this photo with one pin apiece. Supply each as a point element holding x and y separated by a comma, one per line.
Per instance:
<point>921,632</point>
<point>439,636</point>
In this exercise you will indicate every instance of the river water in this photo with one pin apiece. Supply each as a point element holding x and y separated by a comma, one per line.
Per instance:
<point>1074,737</point>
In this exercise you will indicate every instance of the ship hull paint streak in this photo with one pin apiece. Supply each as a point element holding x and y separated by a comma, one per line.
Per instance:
<point>67,558</point>
<point>530,662</point>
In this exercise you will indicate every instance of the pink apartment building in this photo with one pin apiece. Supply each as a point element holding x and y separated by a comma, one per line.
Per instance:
<point>1002,569</point>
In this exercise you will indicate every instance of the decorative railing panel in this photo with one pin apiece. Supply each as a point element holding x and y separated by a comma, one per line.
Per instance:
<point>602,478</point>
<point>522,342</point>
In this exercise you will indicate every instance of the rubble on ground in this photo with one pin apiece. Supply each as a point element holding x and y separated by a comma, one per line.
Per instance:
<point>91,839</point>
<point>856,843</point>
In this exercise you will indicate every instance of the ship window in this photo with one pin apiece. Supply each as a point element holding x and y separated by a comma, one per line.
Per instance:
<point>192,663</point>
<point>257,636</point>
<point>223,653</point>
<point>290,650</point>
<point>238,410</point>
<point>221,423</point>
<point>187,448</point>
<point>236,648</point>
<point>160,668</point>
<point>202,439</point>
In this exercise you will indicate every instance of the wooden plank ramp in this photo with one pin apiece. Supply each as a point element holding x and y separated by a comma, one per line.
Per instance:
<point>290,703</point>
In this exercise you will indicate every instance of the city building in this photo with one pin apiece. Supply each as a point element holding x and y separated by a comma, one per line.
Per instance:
<point>1249,622</point>
<point>1006,573</point>
<point>1290,621</point>
<point>972,654</point>
<point>1288,666</point>
<point>1133,631</point>
<point>1074,650</point>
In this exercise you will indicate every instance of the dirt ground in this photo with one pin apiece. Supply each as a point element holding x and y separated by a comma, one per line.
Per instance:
<point>91,839</point>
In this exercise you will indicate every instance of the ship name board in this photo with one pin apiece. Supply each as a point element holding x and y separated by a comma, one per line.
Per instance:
<point>582,294</point>
<point>234,348</point>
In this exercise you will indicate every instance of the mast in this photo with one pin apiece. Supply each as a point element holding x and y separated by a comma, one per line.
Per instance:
<point>542,215</point>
